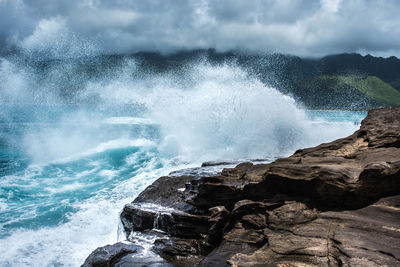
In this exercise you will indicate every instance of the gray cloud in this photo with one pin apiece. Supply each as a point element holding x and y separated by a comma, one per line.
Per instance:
<point>301,27</point>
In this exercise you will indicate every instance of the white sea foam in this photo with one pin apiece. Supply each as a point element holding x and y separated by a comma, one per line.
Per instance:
<point>128,120</point>
<point>65,188</point>
<point>94,224</point>
<point>109,145</point>
<point>3,206</point>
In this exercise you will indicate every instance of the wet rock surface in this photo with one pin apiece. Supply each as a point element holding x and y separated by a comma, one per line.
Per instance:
<point>337,204</point>
<point>111,254</point>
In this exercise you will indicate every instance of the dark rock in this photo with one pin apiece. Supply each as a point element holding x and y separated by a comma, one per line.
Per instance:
<point>173,247</point>
<point>166,191</point>
<point>135,218</point>
<point>132,261</point>
<point>218,220</point>
<point>183,224</point>
<point>216,163</point>
<point>110,254</point>
<point>224,251</point>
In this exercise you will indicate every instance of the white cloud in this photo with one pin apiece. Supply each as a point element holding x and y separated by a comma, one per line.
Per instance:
<point>46,34</point>
<point>53,38</point>
<point>330,5</point>
<point>101,19</point>
<point>303,27</point>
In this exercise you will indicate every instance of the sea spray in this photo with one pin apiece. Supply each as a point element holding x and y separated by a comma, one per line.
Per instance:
<point>90,133</point>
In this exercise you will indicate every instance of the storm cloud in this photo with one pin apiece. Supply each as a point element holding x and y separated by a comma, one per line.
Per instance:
<point>300,27</point>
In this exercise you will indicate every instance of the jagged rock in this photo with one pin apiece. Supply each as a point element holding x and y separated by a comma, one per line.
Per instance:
<point>218,220</point>
<point>337,204</point>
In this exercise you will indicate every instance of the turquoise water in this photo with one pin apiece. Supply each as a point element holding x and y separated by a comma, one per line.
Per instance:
<point>332,116</point>
<point>38,190</point>
<point>67,168</point>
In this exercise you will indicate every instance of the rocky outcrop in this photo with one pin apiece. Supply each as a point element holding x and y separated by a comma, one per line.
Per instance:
<point>337,204</point>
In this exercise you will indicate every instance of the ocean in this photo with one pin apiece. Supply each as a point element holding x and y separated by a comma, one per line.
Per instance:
<point>80,138</point>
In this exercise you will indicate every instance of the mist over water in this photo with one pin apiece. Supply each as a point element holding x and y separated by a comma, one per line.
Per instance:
<point>82,137</point>
<point>203,112</point>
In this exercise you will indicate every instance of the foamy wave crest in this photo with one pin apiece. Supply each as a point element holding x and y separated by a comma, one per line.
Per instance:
<point>204,111</point>
<point>218,111</point>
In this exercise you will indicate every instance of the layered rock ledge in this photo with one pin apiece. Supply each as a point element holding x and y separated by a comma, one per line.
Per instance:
<point>337,204</point>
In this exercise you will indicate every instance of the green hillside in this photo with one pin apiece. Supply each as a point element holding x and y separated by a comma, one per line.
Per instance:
<point>374,88</point>
<point>345,92</point>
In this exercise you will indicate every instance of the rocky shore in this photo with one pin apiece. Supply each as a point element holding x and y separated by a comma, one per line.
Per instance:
<point>337,204</point>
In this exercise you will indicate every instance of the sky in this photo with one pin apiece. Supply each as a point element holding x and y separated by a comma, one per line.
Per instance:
<point>310,28</point>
